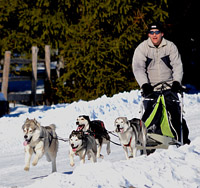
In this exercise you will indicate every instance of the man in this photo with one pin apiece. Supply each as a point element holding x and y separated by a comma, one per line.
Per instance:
<point>157,60</point>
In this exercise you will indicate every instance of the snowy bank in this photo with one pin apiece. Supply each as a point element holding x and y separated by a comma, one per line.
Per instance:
<point>167,168</point>
<point>175,167</point>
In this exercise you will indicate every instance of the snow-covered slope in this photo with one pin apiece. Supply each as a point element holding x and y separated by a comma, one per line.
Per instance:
<point>175,167</point>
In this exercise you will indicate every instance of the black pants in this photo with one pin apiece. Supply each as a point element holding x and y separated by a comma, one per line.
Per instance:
<point>174,114</point>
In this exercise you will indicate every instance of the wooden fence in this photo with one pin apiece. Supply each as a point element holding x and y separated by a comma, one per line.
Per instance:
<point>33,97</point>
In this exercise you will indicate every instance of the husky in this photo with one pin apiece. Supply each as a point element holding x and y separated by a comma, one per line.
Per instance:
<point>82,144</point>
<point>39,140</point>
<point>97,128</point>
<point>131,132</point>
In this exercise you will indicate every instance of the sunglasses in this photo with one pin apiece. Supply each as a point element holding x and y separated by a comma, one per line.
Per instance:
<point>152,32</point>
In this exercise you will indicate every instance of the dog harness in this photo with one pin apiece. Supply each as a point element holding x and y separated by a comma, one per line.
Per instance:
<point>50,137</point>
<point>128,145</point>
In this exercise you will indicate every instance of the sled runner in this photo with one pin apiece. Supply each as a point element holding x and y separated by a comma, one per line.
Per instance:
<point>161,132</point>
<point>157,141</point>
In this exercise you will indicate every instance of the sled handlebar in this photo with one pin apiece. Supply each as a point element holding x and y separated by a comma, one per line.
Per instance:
<point>165,84</point>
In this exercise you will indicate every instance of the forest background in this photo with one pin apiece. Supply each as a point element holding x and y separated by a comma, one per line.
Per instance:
<point>96,39</point>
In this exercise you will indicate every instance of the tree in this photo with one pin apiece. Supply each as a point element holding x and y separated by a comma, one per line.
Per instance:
<point>96,38</point>
<point>39,22</point>
<point>99,48</point>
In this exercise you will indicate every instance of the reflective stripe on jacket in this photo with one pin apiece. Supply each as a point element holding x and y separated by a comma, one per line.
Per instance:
<point>156,64</point>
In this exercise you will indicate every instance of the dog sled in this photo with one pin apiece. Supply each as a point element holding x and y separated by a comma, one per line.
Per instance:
<point>162,135</point>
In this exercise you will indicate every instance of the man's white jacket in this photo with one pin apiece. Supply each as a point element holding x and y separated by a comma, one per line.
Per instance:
<point>157,64</point>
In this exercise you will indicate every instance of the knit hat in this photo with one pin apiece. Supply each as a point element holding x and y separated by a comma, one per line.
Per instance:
<point>155,26</point>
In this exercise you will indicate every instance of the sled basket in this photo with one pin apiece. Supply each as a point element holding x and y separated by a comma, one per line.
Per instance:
<point>159,127</point>
<point>164,121</point>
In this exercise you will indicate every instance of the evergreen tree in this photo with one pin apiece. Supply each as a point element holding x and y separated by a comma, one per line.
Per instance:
<point>96,38</point>
<point>39,22</point>
<point>99,48</point>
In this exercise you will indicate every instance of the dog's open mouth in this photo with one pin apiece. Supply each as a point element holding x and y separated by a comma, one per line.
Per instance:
<point>74,148</point>
<point>120,130</point>
<point>80,127</point>
<point>27,141</point>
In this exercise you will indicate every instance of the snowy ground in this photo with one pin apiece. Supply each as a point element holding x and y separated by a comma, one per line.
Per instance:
<point>175,167</point>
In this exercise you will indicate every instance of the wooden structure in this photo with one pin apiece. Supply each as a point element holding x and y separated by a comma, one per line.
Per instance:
<point>33,97</point>
<point>6,71</point>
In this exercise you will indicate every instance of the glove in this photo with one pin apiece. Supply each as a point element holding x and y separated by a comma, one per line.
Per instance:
<point>147,89</point>
<point>176,87</point>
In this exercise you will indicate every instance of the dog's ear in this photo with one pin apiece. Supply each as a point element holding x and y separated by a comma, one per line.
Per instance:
<point>126,120</point>
<point>87,118</point>
<point>80,134</point>
<point>82,116</point>
<point>115,121</point>
<point>71,134</point>
<point>36,122</point>
<point>23,126</point>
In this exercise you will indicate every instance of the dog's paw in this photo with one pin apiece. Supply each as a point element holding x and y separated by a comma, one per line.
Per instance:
<point>89,156</point>
<point>72,164</point>
<point>108,151</point>
<point>34,163</point>
<point>26,168</point>
<point>101,156</point>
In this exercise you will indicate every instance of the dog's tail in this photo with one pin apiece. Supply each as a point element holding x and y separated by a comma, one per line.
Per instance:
<point>53,126</point>
<point>53,130</point>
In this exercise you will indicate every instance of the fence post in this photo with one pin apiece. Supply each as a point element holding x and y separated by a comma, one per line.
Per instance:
<point>34,74</point>
<point>47,62</point>
<point>47,83</point>
<point>6,69</point>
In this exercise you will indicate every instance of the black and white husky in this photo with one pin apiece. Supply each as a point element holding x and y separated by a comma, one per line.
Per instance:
<point>131,133</point>
<point>97,128</point>
<point>82,144</point>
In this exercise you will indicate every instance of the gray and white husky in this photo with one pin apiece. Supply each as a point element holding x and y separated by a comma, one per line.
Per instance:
<point>131,132</point>
<point>39,140</point>
<point>82,144</point>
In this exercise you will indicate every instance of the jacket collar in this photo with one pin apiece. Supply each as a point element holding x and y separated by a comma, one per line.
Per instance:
<point>163,43</point>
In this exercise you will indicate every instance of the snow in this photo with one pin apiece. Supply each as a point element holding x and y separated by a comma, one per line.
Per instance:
<point>174,167</point>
